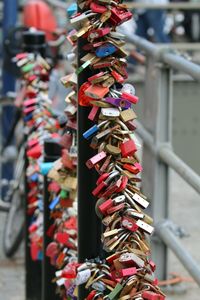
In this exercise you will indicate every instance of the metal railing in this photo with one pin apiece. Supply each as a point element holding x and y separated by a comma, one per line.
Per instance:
<point>168,6</point>
<point>158,154</point>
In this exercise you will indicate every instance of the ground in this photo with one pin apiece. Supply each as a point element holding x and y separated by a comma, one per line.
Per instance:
<point>184,208</point>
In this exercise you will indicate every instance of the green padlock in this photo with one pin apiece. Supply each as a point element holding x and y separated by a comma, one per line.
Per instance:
<point>27,68</point>
<point>115,292</point>
<point>64,194</point>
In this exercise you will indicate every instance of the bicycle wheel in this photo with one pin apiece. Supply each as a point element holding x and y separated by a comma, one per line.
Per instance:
<point>14,225</point>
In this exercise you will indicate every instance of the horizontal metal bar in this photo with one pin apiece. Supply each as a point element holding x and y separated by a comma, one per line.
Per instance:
<point>181,46</point>
<point>170,6</point>
<point>174,46</point>
<point>165,55</point>
<point>58,4</point>
<point>170,158</point>
<point>182,64</point>
<point>167,236</point>
<point>166,154</point>
<point>142,44</point>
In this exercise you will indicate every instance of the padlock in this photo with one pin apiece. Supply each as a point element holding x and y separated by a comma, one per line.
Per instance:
<point>96,8</point>
<point>110,112</point>
<point>105,50</point>
<point>93,113</point>
<point>97,33</point>
<point>124,104</point>
<point>128,148</point>
<point>131,259</point>
<point>96,91</point>
<point>149,295</point>
<point>129,224</point>
<point>124,272</point>
<point>83,99</point>
<point>95,159</point>
<point>87,134</point>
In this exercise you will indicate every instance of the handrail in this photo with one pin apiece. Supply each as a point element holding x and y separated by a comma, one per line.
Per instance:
<point>170,6</point>
<point>166,154</point>
<point>166,55</point>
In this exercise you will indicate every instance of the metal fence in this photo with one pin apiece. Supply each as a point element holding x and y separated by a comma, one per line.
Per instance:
<point>158,154</point>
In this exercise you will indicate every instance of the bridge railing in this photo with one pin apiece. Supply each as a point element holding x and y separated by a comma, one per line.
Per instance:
<point>158,154</point>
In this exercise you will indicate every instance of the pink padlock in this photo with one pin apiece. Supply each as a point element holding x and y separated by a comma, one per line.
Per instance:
<point>95,159</point>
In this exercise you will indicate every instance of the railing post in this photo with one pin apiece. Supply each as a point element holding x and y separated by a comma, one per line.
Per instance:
<point>157,119</point>
<point>52,152</point>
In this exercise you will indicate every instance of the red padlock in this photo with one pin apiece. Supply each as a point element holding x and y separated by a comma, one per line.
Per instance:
<point>35,152</point>
<point>129,224</point>
<point>62,237</point>
<point>119,15</point>
<point>91,295</point>
<point>135,169</point>
<point>96,8</point>
<point>83,99</point>
<point>97,33</point>
<point>124,272</point>
<point>93,113</point>
<point>128,148</point>
<point>105,206</point>
<point>148,295</point>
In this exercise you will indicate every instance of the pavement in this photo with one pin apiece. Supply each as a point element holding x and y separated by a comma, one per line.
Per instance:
<point>184,211</point>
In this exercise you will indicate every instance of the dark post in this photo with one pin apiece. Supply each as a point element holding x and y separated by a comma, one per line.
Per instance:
<point>52,151</point>
<point>8,81</point>
<point>33,269</point>
<point>89,225</point>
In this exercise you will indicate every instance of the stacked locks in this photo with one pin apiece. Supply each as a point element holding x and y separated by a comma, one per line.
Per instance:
<point>40,124</point>
<point>127,272</point>
<point>62,187</point>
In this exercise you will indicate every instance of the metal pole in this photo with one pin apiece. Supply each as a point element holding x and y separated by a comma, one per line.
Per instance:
<point>168,237</point>
<point>157,120</point>
<point>8,83</point>
<point>33,269</point>
<point>89,225</point>
<point>52,151</point>
<point>181,64</point>
<point>9,21</point>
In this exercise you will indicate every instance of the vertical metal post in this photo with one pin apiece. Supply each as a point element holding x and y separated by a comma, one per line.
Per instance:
<point>33,271</point>
<point>89,225</point>
<point>33,42</point>
<point>157,119</point>
<point>9,20</point>
<point>8,81</point>
<point>52,151</point>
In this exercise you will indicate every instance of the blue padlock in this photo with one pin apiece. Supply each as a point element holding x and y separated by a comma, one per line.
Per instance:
<point>34,177</point>
<point>54,202</point>
<point>87,134</point>
<point>41,204</point>
<point>28,117</point>
<point>45,167</point>
<point>72,9</point>
<point>40,255</point>
<point>105,50</point>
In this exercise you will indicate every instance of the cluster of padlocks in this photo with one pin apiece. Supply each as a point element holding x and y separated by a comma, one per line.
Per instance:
<point>40,124</point>
<point>127,271</point>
